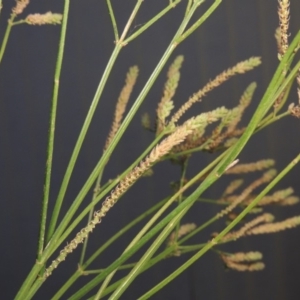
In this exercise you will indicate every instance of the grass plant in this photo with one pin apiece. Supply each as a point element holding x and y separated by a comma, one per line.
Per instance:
<point>163,230</point>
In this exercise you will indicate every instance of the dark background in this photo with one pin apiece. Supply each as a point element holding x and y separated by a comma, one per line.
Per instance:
<point>238,30</point>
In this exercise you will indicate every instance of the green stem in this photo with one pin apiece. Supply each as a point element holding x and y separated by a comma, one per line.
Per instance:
<point>51,133</point>
<point>151,21</point>
<point>216,202</point>
<point>200,21</point>
<point>6,35</point>
<point>274,119</point>
<point>19,22</point>
<point>188,7</point>
<point>113,20</point>
<point>215,240</point>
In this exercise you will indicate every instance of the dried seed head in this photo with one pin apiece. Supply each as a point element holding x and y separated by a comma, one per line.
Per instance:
<point>234,185</point>
<point>20,6</point>
<point>284,20</point>
<point>275,227</point>
<point>183,230</point>
<point>48,18</point>
<point>264,218</point>
<point>124,96</point>
<point>166,104</point>
<point>243,261</point>
<point>251,167</point>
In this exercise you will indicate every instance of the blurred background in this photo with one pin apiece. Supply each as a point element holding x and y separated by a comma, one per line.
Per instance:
<point>237,30</point>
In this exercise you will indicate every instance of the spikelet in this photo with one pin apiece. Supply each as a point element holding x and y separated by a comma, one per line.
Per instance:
<point>243,104</point>
<point>243,261</point>
<point>234,235</point>
<point>199,124</point>
<point>243,196</point>
<point>48,18</point>
<point>233,185</point>
<point>183,230</point>
<point>251,167</point>
<point>245,256</point>
<point>284,20</point>
<point>275,227</point>
<point>124,96</point>
<point>159,151</point>
<point>166,104</point>
<point>240,68</point>
<point>278,42</point>
<point>20,6</point>
<point>256,266</point>
<point>298,89</point>
<point>146,122</point>
<point>292,200</point>
<point>295,109</point>
<point>277,197</point>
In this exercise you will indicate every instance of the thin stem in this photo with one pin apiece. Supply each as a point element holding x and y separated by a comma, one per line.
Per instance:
<point>18,22</point>
<point>274,119</point>
<point>216,202</point>
<point>188,7</point>
<point>130,20</point>
<point>215,240</point>
<point>199,22</point>
<point>151,21</point>
<point>52,129</point>
<point>6,35</point>
<point>113,20</point>
<point>182,180</point>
